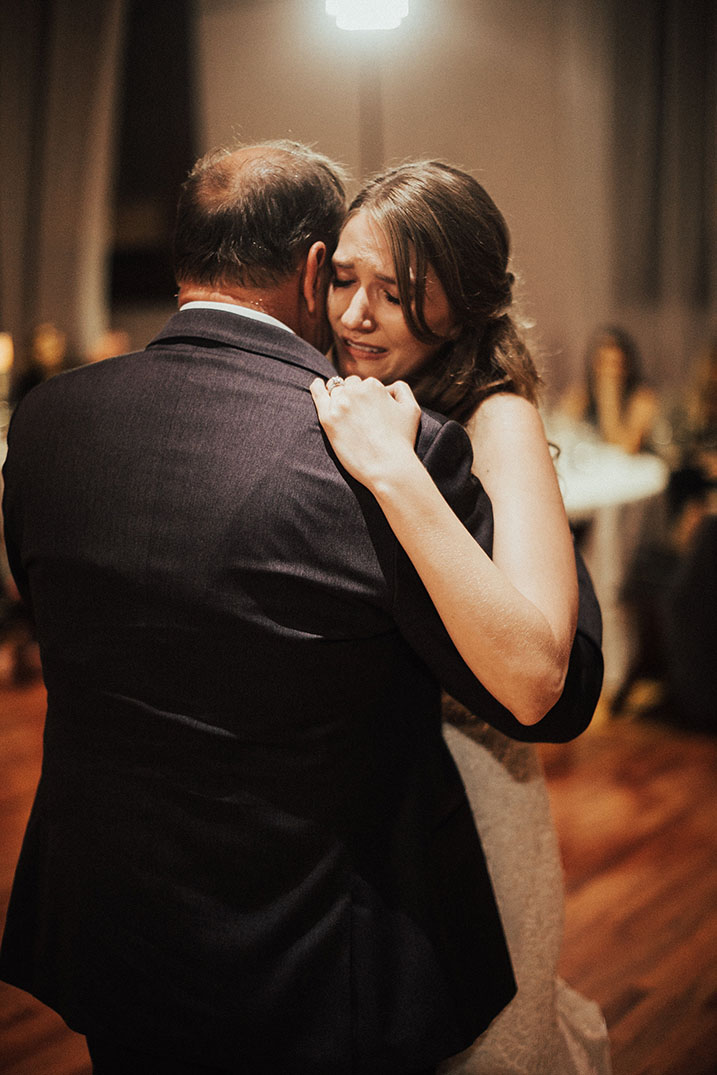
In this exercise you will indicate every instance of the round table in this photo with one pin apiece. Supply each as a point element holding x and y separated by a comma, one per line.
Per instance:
<point>614,500</point>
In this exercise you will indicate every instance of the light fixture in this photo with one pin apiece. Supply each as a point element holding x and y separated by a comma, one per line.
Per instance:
<point>367,14</point>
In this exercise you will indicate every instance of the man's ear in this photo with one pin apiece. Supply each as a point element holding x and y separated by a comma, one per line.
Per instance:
<point>312,283</point>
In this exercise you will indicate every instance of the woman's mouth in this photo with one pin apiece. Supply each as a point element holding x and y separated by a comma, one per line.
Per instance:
<point>363,350</point>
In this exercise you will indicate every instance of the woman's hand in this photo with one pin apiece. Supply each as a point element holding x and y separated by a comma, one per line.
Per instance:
<point>372,428</point>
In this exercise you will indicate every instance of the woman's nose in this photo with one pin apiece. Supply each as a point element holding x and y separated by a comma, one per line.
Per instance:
<point>358,312</point>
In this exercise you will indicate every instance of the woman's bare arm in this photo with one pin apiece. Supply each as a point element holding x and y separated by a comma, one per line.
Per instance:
<point>627,425</point>
<point>517,649</point>
<point>532,543</point>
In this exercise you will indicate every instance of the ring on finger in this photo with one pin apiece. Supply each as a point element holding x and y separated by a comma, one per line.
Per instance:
<point>333,382</point>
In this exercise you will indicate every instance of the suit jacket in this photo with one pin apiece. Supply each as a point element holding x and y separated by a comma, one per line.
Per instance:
<point>249,843</point>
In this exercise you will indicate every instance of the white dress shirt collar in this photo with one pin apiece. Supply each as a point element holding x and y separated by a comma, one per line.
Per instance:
<point>234,308</point>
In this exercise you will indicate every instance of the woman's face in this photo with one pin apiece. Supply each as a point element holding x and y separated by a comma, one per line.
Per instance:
<point>610,361</point>
<point>371,337</point>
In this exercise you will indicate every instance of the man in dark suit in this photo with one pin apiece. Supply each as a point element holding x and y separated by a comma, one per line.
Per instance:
<point>250,850</point>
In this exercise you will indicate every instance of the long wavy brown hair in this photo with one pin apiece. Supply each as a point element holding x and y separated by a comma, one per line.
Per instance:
<point>435,214</point>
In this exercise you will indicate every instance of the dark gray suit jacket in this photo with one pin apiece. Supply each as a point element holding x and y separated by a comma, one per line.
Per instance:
<point>249,843</point>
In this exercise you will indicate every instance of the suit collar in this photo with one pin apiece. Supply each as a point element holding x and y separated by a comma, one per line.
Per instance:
<point>245,334</point>
<point>240,311</point>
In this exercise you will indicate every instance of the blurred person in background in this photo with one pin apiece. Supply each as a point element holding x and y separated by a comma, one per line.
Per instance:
<point>108,344</point>
<point>19,652</point>
<point>693,420</point>
<point>614,399</point>
<point>46,356</point>
<point>671,586</point>
<point>7,362</point>
<point>670,594</point>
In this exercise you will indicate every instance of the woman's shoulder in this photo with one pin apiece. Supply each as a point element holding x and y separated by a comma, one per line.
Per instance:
<point>507,419</point>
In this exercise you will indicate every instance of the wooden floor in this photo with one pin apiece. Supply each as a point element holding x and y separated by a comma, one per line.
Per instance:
<point>636,810</point>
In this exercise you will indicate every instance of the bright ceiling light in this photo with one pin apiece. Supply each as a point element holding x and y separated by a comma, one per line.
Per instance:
<point>367,14</point>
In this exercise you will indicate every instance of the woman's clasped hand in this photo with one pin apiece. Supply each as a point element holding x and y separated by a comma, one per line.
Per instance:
<point>372,427</point>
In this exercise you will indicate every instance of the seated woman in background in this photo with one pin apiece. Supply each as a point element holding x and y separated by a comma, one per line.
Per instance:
<point>615,398</point>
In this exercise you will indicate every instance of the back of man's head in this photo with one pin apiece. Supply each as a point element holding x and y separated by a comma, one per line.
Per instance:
<point>247,216</point>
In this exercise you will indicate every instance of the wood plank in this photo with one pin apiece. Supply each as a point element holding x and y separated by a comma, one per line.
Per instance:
<point>636,812</point>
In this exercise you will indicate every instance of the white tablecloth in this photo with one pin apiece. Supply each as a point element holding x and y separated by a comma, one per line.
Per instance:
<point>620,500</point>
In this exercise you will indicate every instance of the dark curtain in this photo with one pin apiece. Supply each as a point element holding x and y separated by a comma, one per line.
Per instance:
<point>96,134</point>
<point>58,67</point>
<point>156,146</point>
<point>25,43</point>
<point>665,107</point>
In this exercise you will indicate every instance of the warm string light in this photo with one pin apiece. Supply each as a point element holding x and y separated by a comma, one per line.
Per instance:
<point>367,14</point>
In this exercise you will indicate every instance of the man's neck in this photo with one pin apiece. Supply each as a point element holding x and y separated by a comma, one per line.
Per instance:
<point>280,301</point>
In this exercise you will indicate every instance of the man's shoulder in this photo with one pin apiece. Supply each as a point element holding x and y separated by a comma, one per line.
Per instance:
<point>205,327</point>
